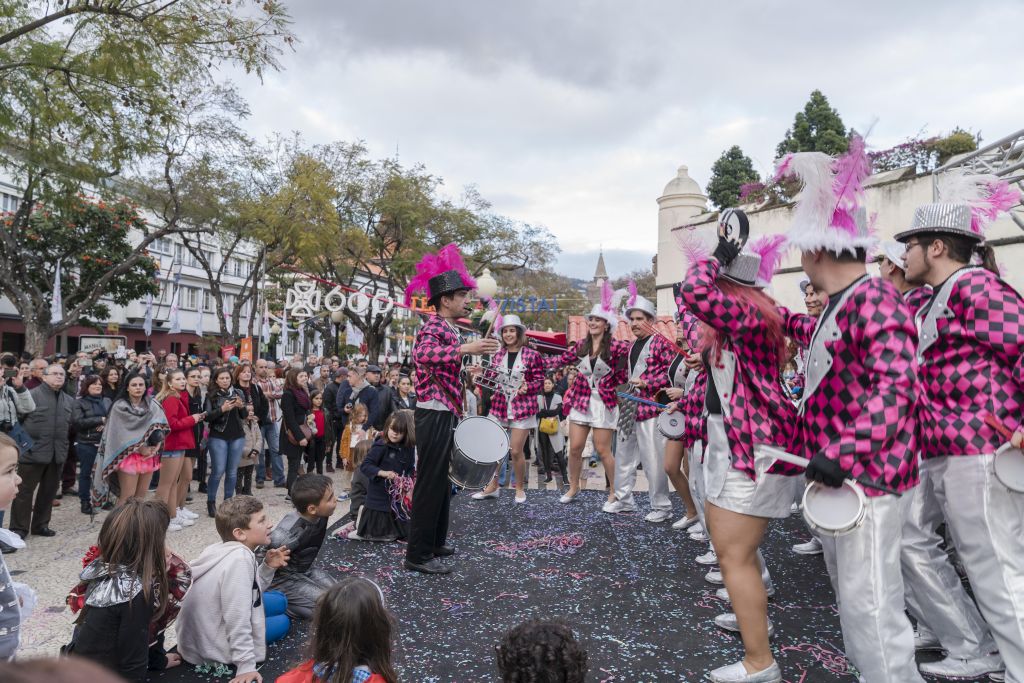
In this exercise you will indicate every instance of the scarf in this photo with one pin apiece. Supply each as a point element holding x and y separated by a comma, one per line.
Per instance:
<point>302,398</point>
<point>128,427</point>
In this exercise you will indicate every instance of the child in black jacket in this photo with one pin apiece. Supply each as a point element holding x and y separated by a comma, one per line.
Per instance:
<point>389,469</point>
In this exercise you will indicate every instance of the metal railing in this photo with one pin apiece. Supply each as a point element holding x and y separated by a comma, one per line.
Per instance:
<point>1003,158</point>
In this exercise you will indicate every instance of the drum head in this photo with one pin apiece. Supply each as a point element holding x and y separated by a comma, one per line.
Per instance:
<point>481,439</point>
<point>671,425</point>
<point>833,510</point>
<point>1009,467</point>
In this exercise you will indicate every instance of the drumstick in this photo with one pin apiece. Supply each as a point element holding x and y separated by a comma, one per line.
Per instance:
<point>993,422</point>
<point>782,455</point>
<point>651,329</point>
<point>637,399</point>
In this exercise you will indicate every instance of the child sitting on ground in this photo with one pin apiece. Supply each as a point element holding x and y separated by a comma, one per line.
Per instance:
<point>389,468</point>
<point>302,531</point>
<point>14,597</point>
<point>357,493</point>
<point>124,600</point>
<point>541,651</point>
<point>351,639</point>
<point>222,619</point>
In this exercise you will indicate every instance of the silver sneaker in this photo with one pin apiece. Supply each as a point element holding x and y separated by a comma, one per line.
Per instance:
<point>707,559</point>
<point>685,522</point>
<point>723,593</point>
<point>812,547</point>
<point>658,516</point>
<point>699,536</point>
<point>728,622</point>
<point>737,673</point>
<point>950,667</point>
<point>617,507</point>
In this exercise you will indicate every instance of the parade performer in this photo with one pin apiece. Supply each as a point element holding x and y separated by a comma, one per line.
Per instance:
<point>681,377</point>
<point>437,353</point>
<point>892,269</point>
<point>857,411</point>
<point>591,402</point>
<point>971,366</point>
<point>518,414</point>
<point>640,442</point>
<point>747,410</point>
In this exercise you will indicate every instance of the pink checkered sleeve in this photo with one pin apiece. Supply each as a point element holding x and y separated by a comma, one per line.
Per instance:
<point>995,318</point>
<point>534,374</point>
<point>432,350</point>
<point>799,326</point>
<point>700,294</point>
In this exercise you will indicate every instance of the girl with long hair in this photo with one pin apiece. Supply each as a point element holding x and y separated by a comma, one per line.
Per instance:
<point>179,441</point>
<point>295,434</point>
<point>351,639</point>
<point>225,410</point>
<point>88,417</point>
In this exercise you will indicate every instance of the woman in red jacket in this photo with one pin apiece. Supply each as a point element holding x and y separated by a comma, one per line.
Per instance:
<point>182,438</point>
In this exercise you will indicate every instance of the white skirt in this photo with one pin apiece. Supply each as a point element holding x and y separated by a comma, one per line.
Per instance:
<point>770,495</point>
<point>598,416</point>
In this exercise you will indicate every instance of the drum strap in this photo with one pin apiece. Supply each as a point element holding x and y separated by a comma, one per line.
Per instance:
<point>444,390</point>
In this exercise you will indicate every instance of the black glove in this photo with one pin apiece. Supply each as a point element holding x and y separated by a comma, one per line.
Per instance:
<point>726,252</point>
<point>827,471</point>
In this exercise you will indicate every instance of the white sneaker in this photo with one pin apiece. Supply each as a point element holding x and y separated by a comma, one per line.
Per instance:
<point>737,673</point>
<point>715,576</point>
<point>700,537</point>
<point>951,667</point>
<point>566,499</point>
<point>728,622</point>
<point>686,522</point>
<point>658,516</point>
<point>520,499</point>
<point>480,495</point>
<point>997,676</point>
<point>185,513</point>
<point>616,507</point>
<point>708,558</point>
<point>174,526</point>
<point>926,640</point>
<point>723,593</point>
<point>794,508</point>
<point>812,547</point>
<point>697,528</point>
<point>183,521</point>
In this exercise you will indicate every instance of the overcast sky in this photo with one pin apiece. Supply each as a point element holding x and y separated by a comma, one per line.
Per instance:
<point>574,114</point>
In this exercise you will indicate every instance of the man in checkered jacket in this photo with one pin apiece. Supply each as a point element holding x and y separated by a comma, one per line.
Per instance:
<point>438,353</point>
<point>971,357</point>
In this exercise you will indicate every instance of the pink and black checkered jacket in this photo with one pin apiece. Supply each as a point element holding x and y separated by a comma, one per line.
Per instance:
<point>523,405</point>
<point>917,297</point>
<point>578,395</point>
<point>972,367</point>
<point>759,411</point>
<point>659,356</point>
<point>438,364</point>
<point>692,406</point>
<point>861,412</point>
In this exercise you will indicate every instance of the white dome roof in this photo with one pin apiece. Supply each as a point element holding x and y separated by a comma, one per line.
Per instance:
<point>682,184</point>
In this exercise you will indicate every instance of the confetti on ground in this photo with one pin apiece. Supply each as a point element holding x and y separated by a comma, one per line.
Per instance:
<point>631,590</point>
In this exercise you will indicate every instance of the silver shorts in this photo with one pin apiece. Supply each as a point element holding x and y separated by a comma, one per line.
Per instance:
<point>526,423</point>
<point>598,416</point>
<point>770,495</point>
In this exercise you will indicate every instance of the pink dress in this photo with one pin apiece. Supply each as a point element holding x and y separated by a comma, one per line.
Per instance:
<point>136,463</point>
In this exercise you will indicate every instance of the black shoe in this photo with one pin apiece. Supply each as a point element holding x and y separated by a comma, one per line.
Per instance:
<point>444,551</point>
<point>432,566</point>
<point>7,549</point>
<point>86,508</point>
<point>70,492</point>
<point>259,484</point>
<point>211,508</point>
<point>45,531</point>
<point>202,487</point>
<point>188,497</point>
<point>59,496</point>
<point>549,479</point>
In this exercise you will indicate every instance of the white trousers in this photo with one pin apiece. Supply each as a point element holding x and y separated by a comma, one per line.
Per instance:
<point>986,520</point>
<point>645,445</point>
<point>935,596</point>
<point>864,566</point>
<point>695,478</point>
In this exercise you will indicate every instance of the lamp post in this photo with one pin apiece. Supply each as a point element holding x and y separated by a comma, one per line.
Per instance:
<point>275,332</point>
<point>337,317</point>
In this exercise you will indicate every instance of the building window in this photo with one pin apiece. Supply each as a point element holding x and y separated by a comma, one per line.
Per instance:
<point>208,301</point>
<point>9,202</point>
<point>189,298</point>
<point>162,245</point>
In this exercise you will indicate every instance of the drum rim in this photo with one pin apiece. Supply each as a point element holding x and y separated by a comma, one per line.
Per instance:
<point>671,415</point>
<point>1001,455</point>
<point>817,525</point>
<point>455,438</point>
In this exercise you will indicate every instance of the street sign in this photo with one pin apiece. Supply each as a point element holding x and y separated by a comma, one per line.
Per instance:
<point>107,342</point>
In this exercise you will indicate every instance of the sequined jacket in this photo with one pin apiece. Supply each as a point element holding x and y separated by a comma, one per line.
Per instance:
<point>858,403</point>
<point>970,356</point>
<point>578,395</point>
<point>438,364</point>
<point>659,356</point>
<point>759,411</point>
<point>523,405</point>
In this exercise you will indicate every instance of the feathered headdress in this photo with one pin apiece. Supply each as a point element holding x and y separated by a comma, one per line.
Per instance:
<point>447,261</point>
<point>968,204</point>
<point>632,293</point>
<point>829,211</point>
<point>608,308</point>
<point>770,249</point>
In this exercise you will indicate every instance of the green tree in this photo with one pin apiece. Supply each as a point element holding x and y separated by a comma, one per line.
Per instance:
<point>93,243</point>
<point>732,170</point>
<point>645,283</point>
<point>959,141</point>
<point>818,128</point>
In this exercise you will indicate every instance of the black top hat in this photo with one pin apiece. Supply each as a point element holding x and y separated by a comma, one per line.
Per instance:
<point>445,283</point>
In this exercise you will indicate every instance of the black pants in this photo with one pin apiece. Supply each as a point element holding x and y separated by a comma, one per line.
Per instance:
<point>315,454</point>
<point>550,458</point>
<point>26,515</point>
<point>432,495</point>
<point>294,463</point>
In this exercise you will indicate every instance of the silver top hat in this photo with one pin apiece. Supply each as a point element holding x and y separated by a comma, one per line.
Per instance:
<point>610,317</point>
<point>743,269</point>
<point>642,304</point>
<point>512,320</point>
<point>953,219</point>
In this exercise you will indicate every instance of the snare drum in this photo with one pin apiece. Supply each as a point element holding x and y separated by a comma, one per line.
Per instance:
<point>1009,466</point>
<point>671,425</point>
<point>481,446</point>
<point>834,511</point>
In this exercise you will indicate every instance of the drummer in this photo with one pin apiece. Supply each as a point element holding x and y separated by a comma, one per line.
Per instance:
<point>970,359</point>
<point>681,378</point>
<point>438,353</point>
<point>857,415</point>
<point>515,361</point>
<point>746,409</point>
<point>591,399</point>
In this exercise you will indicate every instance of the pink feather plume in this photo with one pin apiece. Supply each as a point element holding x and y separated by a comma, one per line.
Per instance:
<point>606,295</point>
<point>782,168</point>
<point>499,319</point>
<point>997,197</point>
<point>447,258</point>
<point>851,170</point>
<point>632,293</point>
<point>771,249</point>
<point>692,247</point>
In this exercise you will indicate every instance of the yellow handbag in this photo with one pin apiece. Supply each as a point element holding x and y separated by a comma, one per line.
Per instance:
<point>549,425</point>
